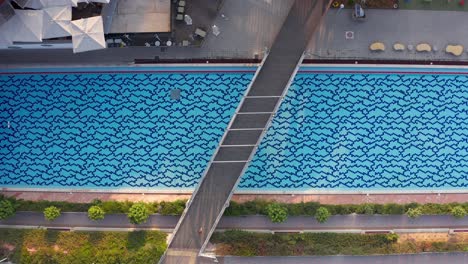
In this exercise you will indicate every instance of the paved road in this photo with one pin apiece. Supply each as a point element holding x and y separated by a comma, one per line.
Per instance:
<point>229,161</point>
<point>349,222</point>
<point>430,258</point>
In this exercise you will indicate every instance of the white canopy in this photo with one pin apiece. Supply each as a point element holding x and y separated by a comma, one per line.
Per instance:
<point>57,21</point>
<point>94,1</point>
<point>26,26</point>
<point>6,19</point>
<point>5,35</point>
<point>39,4</point>
<point>88,34</point>
<point>6,12</point>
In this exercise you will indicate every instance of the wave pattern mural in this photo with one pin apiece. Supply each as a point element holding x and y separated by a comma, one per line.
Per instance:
<point>112,130</point>
<point>366,131</point>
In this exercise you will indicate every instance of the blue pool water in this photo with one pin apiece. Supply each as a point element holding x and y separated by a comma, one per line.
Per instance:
<point>362,131</point>
<point>113,130</point>
<point>334,131</point>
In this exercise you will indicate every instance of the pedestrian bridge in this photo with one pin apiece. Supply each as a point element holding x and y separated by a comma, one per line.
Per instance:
<point>244,133</point>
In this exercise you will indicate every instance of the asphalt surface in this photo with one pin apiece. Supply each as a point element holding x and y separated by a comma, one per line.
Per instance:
<point>429,258</point>
<point>255,222</point>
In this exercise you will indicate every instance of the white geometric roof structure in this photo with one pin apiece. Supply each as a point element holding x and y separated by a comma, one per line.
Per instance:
<point>57,20</point>
<point>5,35</point>
<point>88,34</point>
<point>26,26</point>
<point>94,1</point>
<point>39,4</point>
<point>6,11</point>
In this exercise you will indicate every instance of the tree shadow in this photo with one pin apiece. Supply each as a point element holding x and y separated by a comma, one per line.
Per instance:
<point>136,240</point>
<point>51,236</point>
<point>95,237</point>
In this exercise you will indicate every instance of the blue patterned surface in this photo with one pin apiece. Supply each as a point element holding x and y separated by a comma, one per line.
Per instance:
<point>112,130</point>
<point>333,131</point>
<point>366,131</point>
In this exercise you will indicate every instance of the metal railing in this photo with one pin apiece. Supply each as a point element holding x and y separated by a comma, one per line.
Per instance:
<point>226,203</point>
<point>189,202</point>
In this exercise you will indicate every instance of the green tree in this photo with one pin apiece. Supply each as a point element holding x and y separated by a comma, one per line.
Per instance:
<point>414,212</point>
<point>138,213</point>
<point>458,212</point>
<point>322,215</point>
<point>96,213</point>
<point>51,213</point>
<point>277,213</point>
<point>6,209</point>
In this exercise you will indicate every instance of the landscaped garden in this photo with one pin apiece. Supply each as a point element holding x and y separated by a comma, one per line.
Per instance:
<point>50,246</point>
<point>241,243</point>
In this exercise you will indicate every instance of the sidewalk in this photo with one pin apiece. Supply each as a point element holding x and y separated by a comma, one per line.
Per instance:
<point>428,258</point>
<point>87,197</point>
<point>340,223</point>
<point>250,26</point>
<point>437,28</point>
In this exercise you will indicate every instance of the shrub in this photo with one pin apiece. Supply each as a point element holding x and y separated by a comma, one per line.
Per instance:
<point>367,209</point>
<point>96,213</point>
<point>172,208</point>
<point>432,208</point>
<point>112,207</point>
<point>322,215</point>
<point>138,213</point>
<point>51,213</point>
<point>458,212</point>
<point>295,209</point>
<point>393,209</point>
<point>392,238</point>
<point>248,244</point>
<point>414,212</point>
<point>277,213</point>
<point>310,208</point>
<point>6,209</point>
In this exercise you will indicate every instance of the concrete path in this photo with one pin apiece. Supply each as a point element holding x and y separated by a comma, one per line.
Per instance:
<point>88,197</point>
<point>355,223</point>
<point>410,27</point>
<point>428,258</point>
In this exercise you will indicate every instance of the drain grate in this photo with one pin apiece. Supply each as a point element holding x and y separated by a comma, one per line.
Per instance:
<point>175,94</point>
